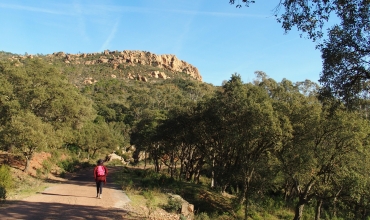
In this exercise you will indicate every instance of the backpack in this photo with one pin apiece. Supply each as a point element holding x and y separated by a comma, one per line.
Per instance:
<point>100,171</point>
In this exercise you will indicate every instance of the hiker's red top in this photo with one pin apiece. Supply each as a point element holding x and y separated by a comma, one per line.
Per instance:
<point>100,178</point>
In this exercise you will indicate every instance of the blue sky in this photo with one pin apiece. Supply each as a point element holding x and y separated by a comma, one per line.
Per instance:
<point>213,36</point>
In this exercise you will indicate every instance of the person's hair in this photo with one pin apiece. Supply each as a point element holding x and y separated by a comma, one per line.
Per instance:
<point>100,161</point>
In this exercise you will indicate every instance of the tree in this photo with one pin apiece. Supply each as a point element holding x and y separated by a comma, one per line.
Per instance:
<point>27,133</point>
<point>346,51</point>
<point>39,88</point>
<point>252,131</point>
<point>346,63</point>
<point>321,153</point>
<point>97,136</point>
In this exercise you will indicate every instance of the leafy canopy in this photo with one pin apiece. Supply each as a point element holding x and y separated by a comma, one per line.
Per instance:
<point>346,49</point>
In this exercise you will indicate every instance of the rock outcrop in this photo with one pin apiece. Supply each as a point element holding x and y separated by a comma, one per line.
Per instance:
<point>166,62</point>
<point>115,58</point>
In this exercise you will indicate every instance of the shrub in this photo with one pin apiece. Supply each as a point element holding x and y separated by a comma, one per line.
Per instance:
<point>47,165</point>
<point>68,165</point>
<point>174,204</point>
<point>202,216</point>
<point>128,185</point>
<point>148,195</point>
<point>39,174</point>
<point>6,181</point>
<point>2,193</point>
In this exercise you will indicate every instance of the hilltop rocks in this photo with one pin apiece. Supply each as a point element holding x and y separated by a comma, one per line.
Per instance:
<point>118,60</point>
<point>141,78</point>
<point>128,57</point>
<point>89,81</point>
<point>157,74</point>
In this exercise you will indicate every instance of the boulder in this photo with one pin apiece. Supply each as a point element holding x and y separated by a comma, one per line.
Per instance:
<point>114,156</point>
<point>187,209</point>
<point>102,60</point>
<point>162,75</point>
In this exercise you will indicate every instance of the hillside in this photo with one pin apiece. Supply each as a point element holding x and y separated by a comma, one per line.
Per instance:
<point>262,142</point>
<point>88,68</point>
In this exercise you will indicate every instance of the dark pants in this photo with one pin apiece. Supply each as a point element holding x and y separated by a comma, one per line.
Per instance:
<point>99,187</point>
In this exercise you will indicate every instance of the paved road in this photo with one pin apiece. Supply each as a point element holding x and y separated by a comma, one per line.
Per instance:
<point>73,199</point>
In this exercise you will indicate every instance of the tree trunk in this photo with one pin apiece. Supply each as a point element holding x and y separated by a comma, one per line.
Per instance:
<point>246,209</point>
<point>334,212</point>
<point>28,156</point>
<point>144,159</point>
<point>246,201</point>
<point>318,209</point>
<point>299,210</point>
<point>27,164</point>
<point>94,151</point>
<point>213,174</point>
<point>196,176</point>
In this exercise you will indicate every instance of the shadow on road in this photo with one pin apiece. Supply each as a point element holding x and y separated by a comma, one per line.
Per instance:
<point>40,210</point>
<point>56,194</point>
<point>86,177</point>
<point>53,210</point>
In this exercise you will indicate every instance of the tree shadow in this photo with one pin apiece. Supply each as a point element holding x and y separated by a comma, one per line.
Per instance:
<point>56,194</point>
<point>15,209</point>
<point>86,177</point>
<point>40,210</point>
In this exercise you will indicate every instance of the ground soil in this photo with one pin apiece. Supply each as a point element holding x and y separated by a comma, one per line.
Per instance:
<point>71,199</point>
<point>74,197</point>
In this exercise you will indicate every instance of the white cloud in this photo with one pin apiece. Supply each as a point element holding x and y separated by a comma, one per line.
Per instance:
<point>111,36</point>
<point>32,9</point>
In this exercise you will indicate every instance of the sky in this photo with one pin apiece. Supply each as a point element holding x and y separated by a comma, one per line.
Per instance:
<point>214,36</point>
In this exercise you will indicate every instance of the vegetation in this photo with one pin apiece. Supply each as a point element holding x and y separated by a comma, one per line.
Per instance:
<point>6,181</point>
<point>345,48</point>
<point>259,150</point>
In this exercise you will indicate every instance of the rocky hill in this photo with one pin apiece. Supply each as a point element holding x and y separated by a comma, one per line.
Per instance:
<point>135,65</point>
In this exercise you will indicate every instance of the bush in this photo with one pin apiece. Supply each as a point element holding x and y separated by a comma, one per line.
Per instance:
<point>202,216</point>
<point>71,165</point>
<point>39,173</point>
<point>6,181</point>
<point>148,195</point>
<point>2,193</point>
<point>68,165</point>
<point>47,165</point>
<point>128,185</point>
<point>174,204</point>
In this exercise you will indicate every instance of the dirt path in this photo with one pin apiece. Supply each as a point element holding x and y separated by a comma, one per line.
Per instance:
<point>73,199</point>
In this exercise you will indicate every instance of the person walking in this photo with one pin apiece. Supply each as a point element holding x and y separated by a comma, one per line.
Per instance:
<point>100,176</point>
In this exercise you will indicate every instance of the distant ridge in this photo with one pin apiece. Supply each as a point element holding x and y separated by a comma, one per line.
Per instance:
<point>126,58</point>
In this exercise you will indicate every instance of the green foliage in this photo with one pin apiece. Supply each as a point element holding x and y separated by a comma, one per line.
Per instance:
<point>72,165</point>
<point>173,205</point>
<point>151,179</point>
<point>234,137</point>
<point>345,50</point>
<point>6,181</point>
<point>150,200</point>
<point>202,216</point>
<point>148,195</point>
<point>3,195</point>
<point>5,177</point>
